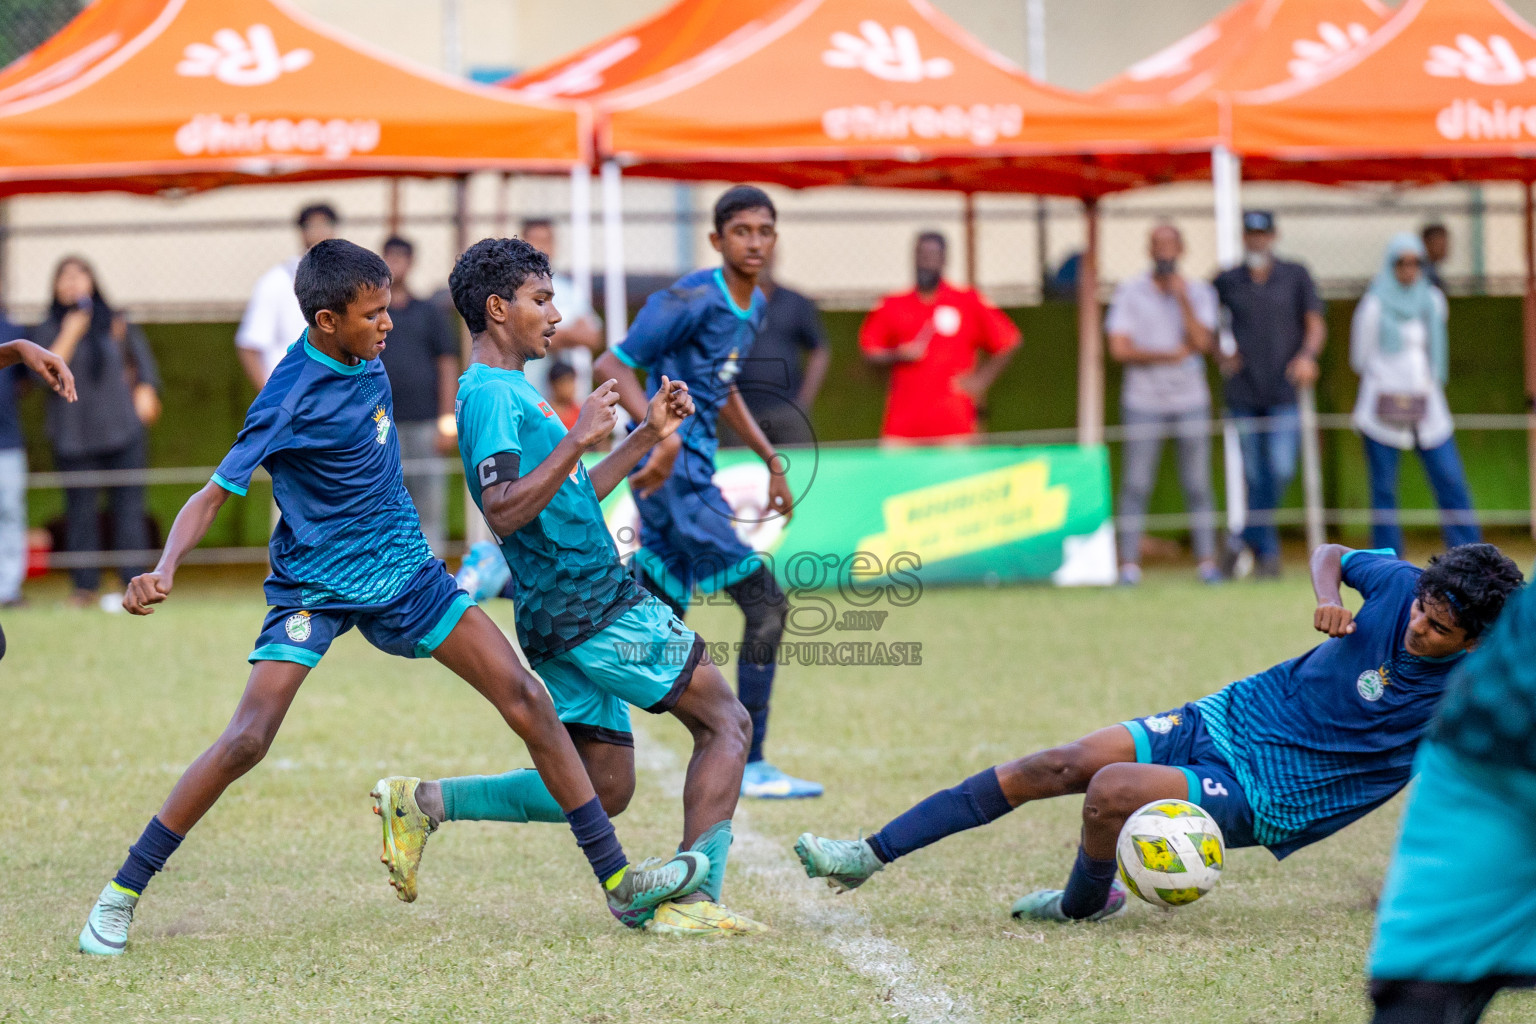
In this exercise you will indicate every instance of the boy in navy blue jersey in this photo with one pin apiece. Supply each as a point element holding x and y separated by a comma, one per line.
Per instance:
<point>1280,759</point>
<point>700,330</point>
<point>348,552</point>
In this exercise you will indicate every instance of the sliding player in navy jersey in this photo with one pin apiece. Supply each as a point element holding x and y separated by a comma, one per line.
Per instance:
<point>1280,759</point>
<point>348,552</point>
<point>600,642</point>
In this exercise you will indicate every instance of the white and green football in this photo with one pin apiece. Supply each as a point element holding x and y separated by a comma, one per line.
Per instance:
<point>1170,853</point>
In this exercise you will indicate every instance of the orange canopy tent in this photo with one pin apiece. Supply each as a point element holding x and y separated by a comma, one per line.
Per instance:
<point>191,94</point>
<point>646,48</point>
<point>1445,91</point>
<point>1252,44</point>
<point>886,93</point>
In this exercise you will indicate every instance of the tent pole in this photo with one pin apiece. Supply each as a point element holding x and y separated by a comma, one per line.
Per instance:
<point>393,215</point>
<point>581,254</point>
<point>615,301</point>
<point>1530,343</point>
<point>475,529</point>
<point>1226,182</point>
<point>1090,347</point>
<point>970,239</point>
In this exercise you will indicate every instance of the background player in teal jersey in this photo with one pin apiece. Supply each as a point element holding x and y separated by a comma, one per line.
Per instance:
<point>1457,920</point>
<point>699,331</point>
<point>600,642</point>
<point>349,552</point>
<point>1280,759</point>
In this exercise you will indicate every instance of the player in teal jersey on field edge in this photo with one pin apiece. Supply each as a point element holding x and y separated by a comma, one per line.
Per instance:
<point>599,641</point>
<point>1280,759</point>
<point>349,552</point>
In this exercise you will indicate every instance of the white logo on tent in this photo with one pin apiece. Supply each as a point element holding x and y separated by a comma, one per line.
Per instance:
<point>251,59</point>
<point>1493,63</point>
<point>1332,41</point>
<point>892,56</point>
<point>586,74</point>
<point>1175,59</point>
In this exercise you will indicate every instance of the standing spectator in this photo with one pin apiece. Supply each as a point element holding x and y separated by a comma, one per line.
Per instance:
<point>580,333</point>
<point>421,358</point>
<point>1437,249</point>
<point>1161,326</point>
<point>272,321</point>
<point>779,392</point>
<point>119,388</point>
<point>1277,322</point>
<point>13,478</point>
<point>931,337</point>
<point>1398,347</point>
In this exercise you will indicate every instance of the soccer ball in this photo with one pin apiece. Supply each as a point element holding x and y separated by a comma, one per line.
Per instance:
<point>1170,853</point>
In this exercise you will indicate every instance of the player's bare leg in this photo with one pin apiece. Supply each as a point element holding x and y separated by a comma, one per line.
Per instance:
<point>268,694</point>
<point>478,652</point>
<point>722,734</point>
<point>847,864</point>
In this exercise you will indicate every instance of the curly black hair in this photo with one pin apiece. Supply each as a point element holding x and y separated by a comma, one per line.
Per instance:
<point>492,266</point>
<point>1475,580</point>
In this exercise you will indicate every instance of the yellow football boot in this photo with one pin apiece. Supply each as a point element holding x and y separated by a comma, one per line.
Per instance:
<point>406,830</point>
<point>701,918</point>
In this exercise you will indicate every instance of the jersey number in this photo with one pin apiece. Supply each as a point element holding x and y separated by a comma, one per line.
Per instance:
<point>1213,788</point>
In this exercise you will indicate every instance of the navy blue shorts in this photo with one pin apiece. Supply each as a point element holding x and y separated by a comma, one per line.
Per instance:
<point>688,539</point>
<point>411,626</point>
<point>1178,739</point>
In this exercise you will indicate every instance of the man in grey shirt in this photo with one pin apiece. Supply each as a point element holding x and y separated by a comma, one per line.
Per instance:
<point>1161,326</point>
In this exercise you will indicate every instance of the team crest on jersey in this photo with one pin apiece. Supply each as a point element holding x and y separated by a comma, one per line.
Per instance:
<point>731,367</point>
<point>381,422</point>
<point>1162,724</point>
<point>297,627</point>
<point>1372,683</point>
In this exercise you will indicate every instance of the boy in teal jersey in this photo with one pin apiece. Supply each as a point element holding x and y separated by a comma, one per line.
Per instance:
<point>1457,920</point>
<point>600,642</point>
<point>347,553</point>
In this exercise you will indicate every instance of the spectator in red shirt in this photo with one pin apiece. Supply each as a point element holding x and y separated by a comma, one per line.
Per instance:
<point>931,338</point>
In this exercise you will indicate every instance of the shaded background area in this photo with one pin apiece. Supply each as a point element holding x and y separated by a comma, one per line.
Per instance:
<point>206,396</point>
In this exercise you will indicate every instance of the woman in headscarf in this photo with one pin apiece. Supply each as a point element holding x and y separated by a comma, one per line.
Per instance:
<point>1398,347</point>
<point>119,385</point>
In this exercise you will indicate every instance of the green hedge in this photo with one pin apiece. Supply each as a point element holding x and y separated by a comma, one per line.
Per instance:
<point>207,394</point>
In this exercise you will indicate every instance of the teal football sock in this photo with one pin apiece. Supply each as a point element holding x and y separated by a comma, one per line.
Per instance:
<point>714,843</point>
<point>516,796</point>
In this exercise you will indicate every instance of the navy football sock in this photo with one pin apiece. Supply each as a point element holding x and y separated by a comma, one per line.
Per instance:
<point>976,801</point>
<point>595,835</point>
<point>754,686</point>
<point>147,856</point>
<point>1088,886</point>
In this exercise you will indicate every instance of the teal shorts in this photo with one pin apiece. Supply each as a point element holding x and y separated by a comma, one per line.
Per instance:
<point>646,658</point>
<point>1459,902</point>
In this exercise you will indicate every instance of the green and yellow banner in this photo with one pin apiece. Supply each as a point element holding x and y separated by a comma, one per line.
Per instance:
<point>945,515</point>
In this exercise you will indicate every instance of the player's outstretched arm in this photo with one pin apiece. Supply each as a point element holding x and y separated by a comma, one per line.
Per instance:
<point>1331,616</point>
<point>52,368</point>
<point>663,416</point>
<point>632,397</point>
<point>187,532</point>
<point>509,505</point>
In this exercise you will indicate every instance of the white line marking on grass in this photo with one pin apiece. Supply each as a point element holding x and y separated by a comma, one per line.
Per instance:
<point>845,929</point>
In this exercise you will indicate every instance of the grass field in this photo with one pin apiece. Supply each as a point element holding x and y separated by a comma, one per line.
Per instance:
<point>276,908</point>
